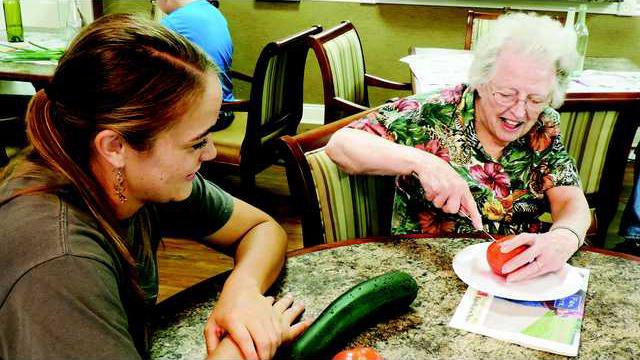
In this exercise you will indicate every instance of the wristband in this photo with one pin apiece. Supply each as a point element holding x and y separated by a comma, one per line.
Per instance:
<point>580,240</point>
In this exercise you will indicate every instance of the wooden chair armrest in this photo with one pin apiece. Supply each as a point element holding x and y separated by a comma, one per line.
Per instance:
<point>376,81</point>
<point>318,137</point>
<point>238,105</point>
<point>349,106</point>
<point>240,76</point>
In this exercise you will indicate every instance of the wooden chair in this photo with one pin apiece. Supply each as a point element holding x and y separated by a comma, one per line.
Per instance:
<point>12,127</point>
<point>335,206</point>
<point>598,134</point>
<point>479,23</point>
<point>4,122</point>
<point>344,76</point>
<point>273,109</point>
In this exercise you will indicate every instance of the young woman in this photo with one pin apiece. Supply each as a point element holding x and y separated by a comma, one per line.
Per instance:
<point>117,140</point>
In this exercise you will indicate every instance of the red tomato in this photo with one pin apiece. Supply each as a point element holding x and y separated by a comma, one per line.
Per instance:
<point>361,353</point>
<point>497,258</point>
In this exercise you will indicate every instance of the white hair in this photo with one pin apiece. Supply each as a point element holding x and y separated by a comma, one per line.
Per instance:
<point>532,35</point>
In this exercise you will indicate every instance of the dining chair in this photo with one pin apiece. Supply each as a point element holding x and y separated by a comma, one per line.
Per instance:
<point>12,127</point>
<point>344,77</point>
<point>274,108</point>
<point>335,206</point>
<point>598,134</point>
<point>479,23</point>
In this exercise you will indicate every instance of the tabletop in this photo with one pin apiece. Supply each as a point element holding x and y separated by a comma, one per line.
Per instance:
<point>38,73</point>
<point>318,275</point>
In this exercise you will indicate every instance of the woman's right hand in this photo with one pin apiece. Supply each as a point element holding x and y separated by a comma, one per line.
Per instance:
<point>446,189</point>
<point>285,311</point>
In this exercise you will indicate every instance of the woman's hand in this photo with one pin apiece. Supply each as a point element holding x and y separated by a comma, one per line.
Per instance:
<point>447,190</point>
<point>256,325</point>
<point>547,252</point>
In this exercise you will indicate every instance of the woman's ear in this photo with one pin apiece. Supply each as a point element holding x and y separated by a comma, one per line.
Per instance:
<point>110,147</point>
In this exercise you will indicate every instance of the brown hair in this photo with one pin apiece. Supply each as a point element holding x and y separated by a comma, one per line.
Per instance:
<point>122,73</point>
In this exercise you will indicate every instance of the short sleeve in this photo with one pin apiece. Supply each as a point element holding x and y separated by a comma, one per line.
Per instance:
<point>66,308</point>
<point>562,168</point>
<point>204,212</point>
<point>379,121</point>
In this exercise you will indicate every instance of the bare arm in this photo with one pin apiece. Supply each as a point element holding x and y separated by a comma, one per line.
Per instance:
<point>242,310</point>
<point>569,208</point>
<point>358,152</point>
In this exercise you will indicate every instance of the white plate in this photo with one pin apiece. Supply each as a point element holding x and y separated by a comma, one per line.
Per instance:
<point>471,266</point>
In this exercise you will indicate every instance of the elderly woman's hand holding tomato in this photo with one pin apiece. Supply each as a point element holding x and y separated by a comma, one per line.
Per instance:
<point>529,255</point>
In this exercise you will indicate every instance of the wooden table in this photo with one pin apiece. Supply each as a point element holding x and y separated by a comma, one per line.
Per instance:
<point>317,275</point>
<point>37,73</point>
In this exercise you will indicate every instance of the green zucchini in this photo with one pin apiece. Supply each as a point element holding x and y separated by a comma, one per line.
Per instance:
<point>361,305</point>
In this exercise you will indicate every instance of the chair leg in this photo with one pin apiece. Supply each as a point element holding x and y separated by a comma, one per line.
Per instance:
<point>248,184</point>
<point>4,158</point>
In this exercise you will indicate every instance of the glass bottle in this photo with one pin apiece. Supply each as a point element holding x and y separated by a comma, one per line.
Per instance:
<point>13,20</point>
<point>571,18</point>
<point>582,34</point>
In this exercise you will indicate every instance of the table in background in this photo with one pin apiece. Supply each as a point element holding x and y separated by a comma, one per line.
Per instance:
<point>318,275</point>
<point>37,73</point>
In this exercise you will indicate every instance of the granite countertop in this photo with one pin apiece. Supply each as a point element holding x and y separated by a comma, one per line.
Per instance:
<point>611,327</point>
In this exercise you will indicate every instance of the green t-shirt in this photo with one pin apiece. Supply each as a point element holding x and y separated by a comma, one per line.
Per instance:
<point>63,291</point>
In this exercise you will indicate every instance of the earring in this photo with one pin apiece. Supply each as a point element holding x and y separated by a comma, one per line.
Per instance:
<point>118,185</point>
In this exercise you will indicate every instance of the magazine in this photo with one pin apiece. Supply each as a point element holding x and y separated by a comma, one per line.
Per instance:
<point>552,326</point>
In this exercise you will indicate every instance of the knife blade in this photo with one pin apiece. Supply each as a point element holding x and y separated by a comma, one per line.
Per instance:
<point>463,213</point>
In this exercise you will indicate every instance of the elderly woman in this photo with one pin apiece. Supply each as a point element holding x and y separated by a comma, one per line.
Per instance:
<point>487,154</point>
<point>117,140</point>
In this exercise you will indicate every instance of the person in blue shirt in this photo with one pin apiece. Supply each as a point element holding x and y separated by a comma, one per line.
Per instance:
<point>204,25</point>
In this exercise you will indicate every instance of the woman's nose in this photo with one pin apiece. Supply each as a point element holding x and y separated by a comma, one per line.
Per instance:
<point>209,153</point>
<point>519,109</point>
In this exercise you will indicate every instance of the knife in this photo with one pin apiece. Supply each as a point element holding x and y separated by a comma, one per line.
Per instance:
<point>463,213</point>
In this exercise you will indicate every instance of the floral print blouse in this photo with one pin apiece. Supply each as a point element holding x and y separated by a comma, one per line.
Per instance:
<point>509,192</point>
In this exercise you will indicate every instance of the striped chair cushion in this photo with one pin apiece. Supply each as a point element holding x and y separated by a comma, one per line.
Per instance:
<point>351,206</point>
<point>586,136</point>
<point>480,27</point>
<point>273,89</point>
<point>347,65</point>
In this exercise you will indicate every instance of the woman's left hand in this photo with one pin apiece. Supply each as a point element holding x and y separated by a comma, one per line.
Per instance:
<point>547,252</point>
<point>248,317</point>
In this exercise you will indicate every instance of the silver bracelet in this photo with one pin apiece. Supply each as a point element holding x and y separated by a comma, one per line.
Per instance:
<point>580,240</point>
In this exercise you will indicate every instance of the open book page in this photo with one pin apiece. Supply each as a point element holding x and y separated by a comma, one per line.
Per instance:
<point>552,326</point>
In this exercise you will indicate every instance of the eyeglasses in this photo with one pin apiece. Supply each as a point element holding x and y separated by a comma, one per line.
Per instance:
<point>510,97</point>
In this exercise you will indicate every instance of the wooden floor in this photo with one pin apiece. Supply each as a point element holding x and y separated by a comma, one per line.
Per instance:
<point>183,263</point>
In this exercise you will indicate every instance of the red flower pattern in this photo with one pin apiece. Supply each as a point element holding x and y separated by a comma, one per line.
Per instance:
<point>541,137</point>
<point>365,124</point>
<point>452,95</point>
<point>432,224</point>
<point>492,176</point>
<point>433,146</point>
<point>406,105</point>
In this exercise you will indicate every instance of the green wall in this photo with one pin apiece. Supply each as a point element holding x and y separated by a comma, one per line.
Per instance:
<point>387,33</point>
